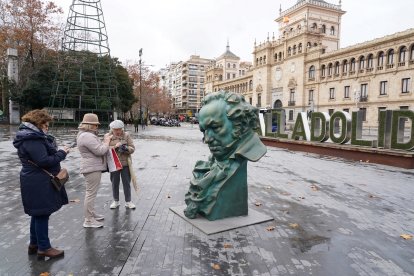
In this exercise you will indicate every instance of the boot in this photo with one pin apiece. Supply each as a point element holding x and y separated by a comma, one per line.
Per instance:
<point>32,249</point>
<point>51,253</point>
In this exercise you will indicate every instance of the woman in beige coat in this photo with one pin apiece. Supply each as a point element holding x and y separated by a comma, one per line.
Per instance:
<point>93,162</point>
<point>124,146</point>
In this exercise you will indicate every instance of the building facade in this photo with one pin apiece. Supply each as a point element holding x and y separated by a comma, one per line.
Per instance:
<point>304,69</point>
<point>185,82</point>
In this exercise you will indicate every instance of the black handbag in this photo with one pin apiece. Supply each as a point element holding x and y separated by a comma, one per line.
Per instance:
<point>59,180</point>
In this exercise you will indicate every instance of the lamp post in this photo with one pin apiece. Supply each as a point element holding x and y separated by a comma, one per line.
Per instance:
<point>140,86</point>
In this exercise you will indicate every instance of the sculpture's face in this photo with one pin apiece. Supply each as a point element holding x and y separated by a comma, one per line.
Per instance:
<point>217,129</point>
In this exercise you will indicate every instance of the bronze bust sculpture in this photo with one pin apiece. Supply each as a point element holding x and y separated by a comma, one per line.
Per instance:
<point>218,188</point>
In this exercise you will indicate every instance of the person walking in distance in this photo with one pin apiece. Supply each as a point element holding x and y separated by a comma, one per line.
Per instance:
<point>124,146</point>
<point>93,163</point>
<point>37,151</point>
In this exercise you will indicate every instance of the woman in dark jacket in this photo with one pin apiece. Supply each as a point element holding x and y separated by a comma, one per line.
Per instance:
<point>40,198</point>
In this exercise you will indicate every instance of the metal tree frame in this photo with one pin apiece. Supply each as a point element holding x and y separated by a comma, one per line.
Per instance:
<point>84,80</point>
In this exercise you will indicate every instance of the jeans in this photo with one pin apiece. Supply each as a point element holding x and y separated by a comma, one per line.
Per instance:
<point>126,180</point>
<point>39,232</point>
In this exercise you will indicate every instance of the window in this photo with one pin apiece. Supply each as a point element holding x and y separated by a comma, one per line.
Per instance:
<point>290,115</point>
<point>330,111</point>
<point>228,76</point>
<point>404,107</point>
<point>352,67</point>
<point>361,63</point>
<point>314,26</point>
<point>323,71</point>
<point>294,49</point>
<point>345,66</point>
<point>310,96</point>
<point>370,61</point>
<point>390,57</point>
<point>336,70</point>
<point>234,65</point>
<point>346,92</point>
<point>401,56</point>
<point>259,100</point>
<point>331,93</point>
<point>405,85</point>
<point>332,30</point>
<point>251,85</point>
<point>412,53</point>
<point>330,69</point>
<point>292,95</point>
<point>289,51</point>
<point>300,48</point>
<point>228,65</point>
<point>346,110</point>
<point>323,30</point>
<point>363,111</point>
<point>383,87</point>
<point>234,75</point>
<point>364,91</point>
<point>312,72</point>
<point>381,59</point>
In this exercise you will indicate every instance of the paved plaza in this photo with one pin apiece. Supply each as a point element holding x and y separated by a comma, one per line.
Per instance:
<point>331,217</point>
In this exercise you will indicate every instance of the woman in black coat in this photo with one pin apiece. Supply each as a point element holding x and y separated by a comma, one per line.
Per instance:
<point>40,198</point>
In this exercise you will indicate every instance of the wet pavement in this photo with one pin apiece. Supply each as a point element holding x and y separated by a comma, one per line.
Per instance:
<point>331,217</point>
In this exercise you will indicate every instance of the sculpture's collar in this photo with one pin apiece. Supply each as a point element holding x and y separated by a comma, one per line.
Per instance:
<point>250,147</point>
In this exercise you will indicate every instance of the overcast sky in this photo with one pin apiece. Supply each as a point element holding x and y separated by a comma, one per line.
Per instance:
<point>172,30</point>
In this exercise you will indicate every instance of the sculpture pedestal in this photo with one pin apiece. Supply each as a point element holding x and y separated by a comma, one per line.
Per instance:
<point>217,226</point>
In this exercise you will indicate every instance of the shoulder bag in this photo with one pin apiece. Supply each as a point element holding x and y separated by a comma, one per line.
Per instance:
<point>59,180</point>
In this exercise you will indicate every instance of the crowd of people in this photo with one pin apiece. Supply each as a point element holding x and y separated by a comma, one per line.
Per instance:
<point>40,157</point>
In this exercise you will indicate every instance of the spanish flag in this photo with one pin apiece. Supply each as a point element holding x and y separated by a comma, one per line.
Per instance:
<point>285,19</point>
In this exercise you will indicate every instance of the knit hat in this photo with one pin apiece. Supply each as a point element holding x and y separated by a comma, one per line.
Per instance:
<point>90,118</point>
<point>116,124</point>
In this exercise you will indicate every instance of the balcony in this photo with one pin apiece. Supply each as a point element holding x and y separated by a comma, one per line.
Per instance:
<point>389,66</point>
<point>291,103</point>
<point>380,67</point>
<point>363,99</point>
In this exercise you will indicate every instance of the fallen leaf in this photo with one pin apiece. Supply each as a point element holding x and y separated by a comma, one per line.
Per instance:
<point>301,197</point>
<point>314,188</point>
<point>216,266</point>
<point>227,245</point>
<point>168,196</point>
<point>76,200</point>
<point>293,225</point>
<point>44,274</point>
<point>270,228</point>
<point>406,236</point>
<point>258,204</point>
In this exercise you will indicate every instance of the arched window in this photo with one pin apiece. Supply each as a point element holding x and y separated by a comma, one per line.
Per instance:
<point>323,30</point>
<point>330,69</point>
<point>412,52</point>
<point>261,60</point>
<point>352,66</point>
<point>380,59</point>
<point>314,26</point>
<point>289,51</point>
<point>402,55</point>
<point>390,57</point>
<point>315,44</point>
<point>257,61</point>
<point>300,48</point>
<point>294,49</point>
<point>312,72</point>
<point>361,63</point>
<point>264,60</point>
<point>228,65</point>
<point>234,65</point>
<point>370,61</point>
<point>345,66</point>
<point>332,30</point>
<point>275,57</point>
<point>336,70</point>
<point>323,68</point>
<point>251,85</point>
<point>308,45</point>
<point>280,56</point>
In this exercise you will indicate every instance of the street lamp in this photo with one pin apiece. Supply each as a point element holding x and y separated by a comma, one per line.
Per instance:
<point>140,86</point>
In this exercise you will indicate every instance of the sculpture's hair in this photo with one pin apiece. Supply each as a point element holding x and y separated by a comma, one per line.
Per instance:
<point>242,114</point>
